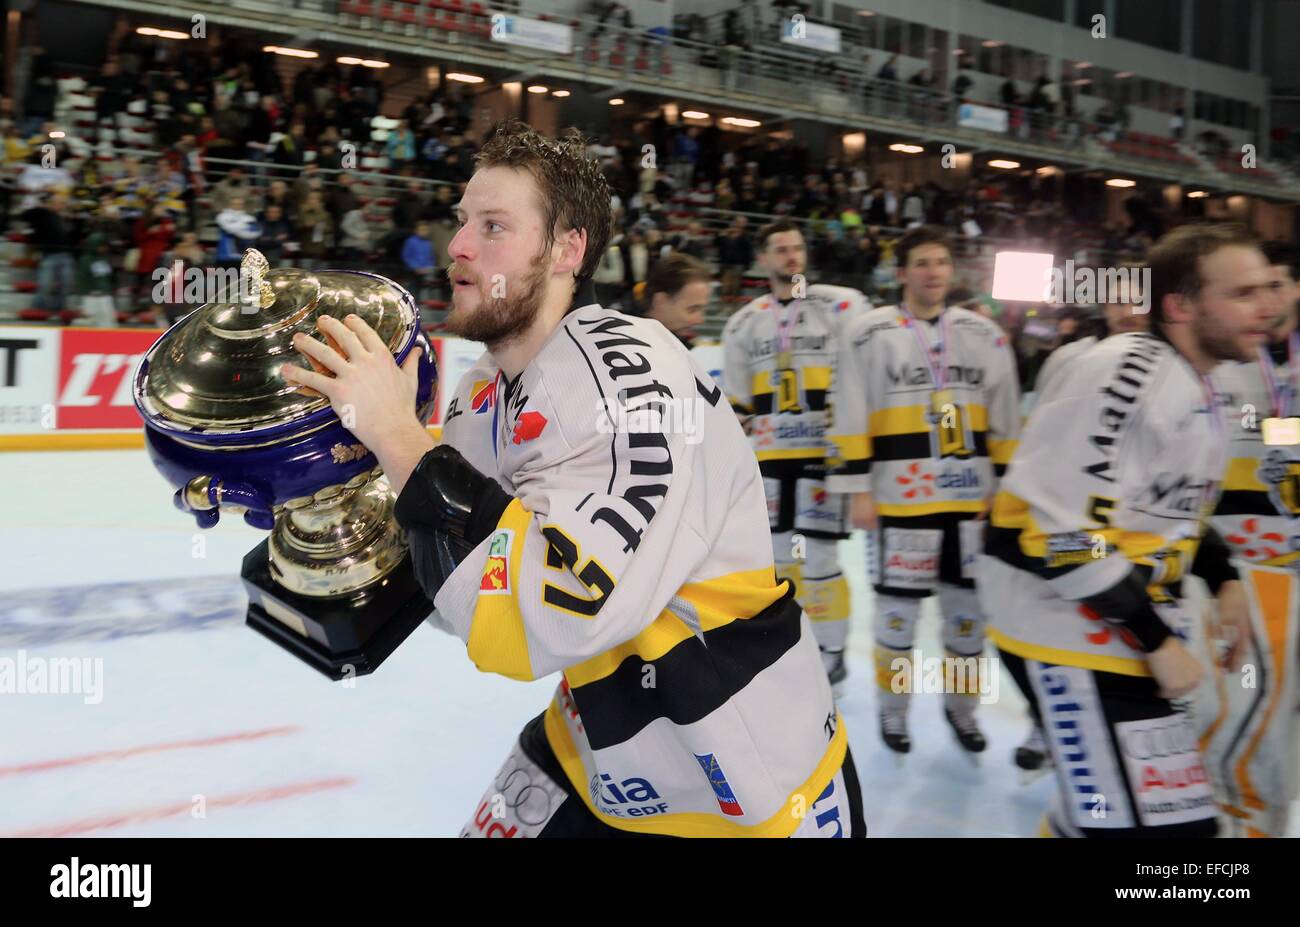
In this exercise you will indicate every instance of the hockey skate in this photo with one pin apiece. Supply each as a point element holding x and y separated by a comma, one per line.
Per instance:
<point>1032,757</point>
<point>968,733</point>
<point>893,731</point>
<point>836,670</point>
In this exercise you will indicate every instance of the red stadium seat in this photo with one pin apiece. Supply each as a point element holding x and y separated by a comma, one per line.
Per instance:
<point>34,315</point>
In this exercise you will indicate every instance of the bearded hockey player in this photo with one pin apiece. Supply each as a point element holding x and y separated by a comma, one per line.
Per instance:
<point>778,362</point>
<point>593,511</point>
<point>1102,512</point>
<point>927,411</point>
<point>1252,729</point>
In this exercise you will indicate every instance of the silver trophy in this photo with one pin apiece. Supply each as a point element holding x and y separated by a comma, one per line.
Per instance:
<point>332,583</point>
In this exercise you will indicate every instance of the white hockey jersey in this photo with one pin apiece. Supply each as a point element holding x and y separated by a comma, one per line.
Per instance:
<point>1259,512</point>
<point>918,457</point>
<point>635,560</point>
<point>1119,466</point>
<point>789,404</point>
<point>1057,360</point>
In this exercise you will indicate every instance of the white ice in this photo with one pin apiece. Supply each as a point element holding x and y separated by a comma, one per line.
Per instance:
<point>205,728</point>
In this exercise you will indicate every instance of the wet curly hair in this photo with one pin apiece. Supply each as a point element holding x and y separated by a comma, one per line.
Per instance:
<point>573,190</point>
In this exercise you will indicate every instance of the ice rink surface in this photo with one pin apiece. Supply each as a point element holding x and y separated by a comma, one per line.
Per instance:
<point>202,727</point>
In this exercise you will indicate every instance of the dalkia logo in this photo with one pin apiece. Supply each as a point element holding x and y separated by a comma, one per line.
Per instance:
<point>88,880</point>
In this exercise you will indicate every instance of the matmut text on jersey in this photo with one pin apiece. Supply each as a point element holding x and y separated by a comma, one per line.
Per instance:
<point>692,699</point>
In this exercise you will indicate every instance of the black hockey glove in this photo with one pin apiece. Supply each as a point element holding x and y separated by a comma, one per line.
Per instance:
<point>446,509</point>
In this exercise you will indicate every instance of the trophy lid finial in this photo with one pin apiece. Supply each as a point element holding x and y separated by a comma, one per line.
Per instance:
<point>254,268</point>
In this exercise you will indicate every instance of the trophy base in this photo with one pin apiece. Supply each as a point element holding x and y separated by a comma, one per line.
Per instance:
<point>340,638</point>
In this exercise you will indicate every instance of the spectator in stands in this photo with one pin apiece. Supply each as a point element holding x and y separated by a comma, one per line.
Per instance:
<point>341,199</point>
<point>354,237</point>
<point>961,86</point>
<point>237,230</point>
<point>418,256</point>
<point>409,208</point>
<point>231,187</point>
<point>95,282</point>
<point>686,152</point>
<point>308,181</point>
<point>277,194</point>
<point>611,273</point>
<point>639,258</point>
<point>53,237</point>
<point>167,185</point>
<point>290,148</point>
<point>154,234</point>
<point>735,254</point>
<point>442,208</point>
<point>186,253</point>
<point>400,146</point>
<point>277,232</point>
<point>315,230</point>
<point>880,206</point>
<point>693,241</point>
<point>263,122</point>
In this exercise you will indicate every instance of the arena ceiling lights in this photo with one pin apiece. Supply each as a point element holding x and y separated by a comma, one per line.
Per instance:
<point>290,52</point>
<point>616,101</point>
<point>906,149</point>
<point>1121,182</point>
<point>161,33</point>
<point>538,88</point>
<point>694,114</point>
<point>741,122</point>
<point>559,93</point>
<point>364,62</point>
<point>465,78</point>
<point>1197,195</point>
<point>1003,164</point>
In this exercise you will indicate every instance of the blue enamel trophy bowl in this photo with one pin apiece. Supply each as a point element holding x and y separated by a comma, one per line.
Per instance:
<point>229,433</point>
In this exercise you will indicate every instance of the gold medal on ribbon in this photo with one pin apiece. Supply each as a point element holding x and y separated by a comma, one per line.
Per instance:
<point>941,401</point>
<point>784,360</point>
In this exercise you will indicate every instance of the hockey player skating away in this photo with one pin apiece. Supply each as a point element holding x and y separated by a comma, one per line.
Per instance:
<point>576,521</point>
<point>1250,740</point>
<point>1103,510</point>
<point>778,362</point>
<point>926,415</point>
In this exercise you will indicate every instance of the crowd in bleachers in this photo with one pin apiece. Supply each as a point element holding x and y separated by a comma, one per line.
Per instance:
<point>168,161</point>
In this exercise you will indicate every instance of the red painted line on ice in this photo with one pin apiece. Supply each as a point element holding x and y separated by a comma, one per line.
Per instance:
<point>178,809</point>
<point>126,752</point>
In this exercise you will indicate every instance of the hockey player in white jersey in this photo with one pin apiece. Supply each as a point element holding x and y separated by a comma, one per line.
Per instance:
<point>594,511</point>
<point>926,416</point>
<point>1102,512</point>
<point>1251,723</point>
<point>778,363</point>
<point>1120,317</point>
